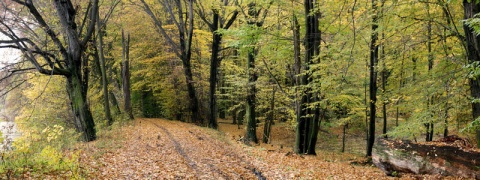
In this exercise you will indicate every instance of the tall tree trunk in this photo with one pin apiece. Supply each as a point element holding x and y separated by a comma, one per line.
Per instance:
<point>186,35</point>
<point>373,78</point>
<point>384,83</point>
<point>126,75</point>
<point>429,123</point>
<point>253,22</point>
<point>308,118</point>
<point>384,76</point>
<point>215,59</point>
<point>472,8</point>
<point>101,58</point>
<point>251,135</point>
<point>400,86</point>
<point>214,64</point>
<point>299,100</point>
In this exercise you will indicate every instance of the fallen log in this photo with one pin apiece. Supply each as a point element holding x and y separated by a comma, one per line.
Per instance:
<point>443,157</point>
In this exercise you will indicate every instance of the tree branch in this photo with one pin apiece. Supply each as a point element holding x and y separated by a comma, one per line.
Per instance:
<point>160,28</point>
<point>91,26</point>
<point>44,25</point>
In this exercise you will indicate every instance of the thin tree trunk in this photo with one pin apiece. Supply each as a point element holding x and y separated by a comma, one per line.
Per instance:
<point>101,58</point>
<point>344,137</point>
<point>222,111</point>
<point>114,101</point>
<point>126,75</point>
<point>253,22</point>
<point>429,124</point>
<point>400,86</point>
<point>268,123</point>
<point>384,77</point>
<point>299,100</point>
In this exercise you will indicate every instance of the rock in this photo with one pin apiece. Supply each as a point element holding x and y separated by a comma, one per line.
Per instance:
<point>443,157</point>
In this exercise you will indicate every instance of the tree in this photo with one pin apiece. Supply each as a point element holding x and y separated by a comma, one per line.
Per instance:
<point>373,78</point>
<point>181,47</point>
<point>471,8</point>
<point>218,22</point>
<point>101,58</point>
<point>126,74</point>
<point>308,118</point>
<point>63,58</point>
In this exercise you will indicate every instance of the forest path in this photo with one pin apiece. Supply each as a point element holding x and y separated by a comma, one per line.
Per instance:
<point>163,149</point>
<point>155,148</point>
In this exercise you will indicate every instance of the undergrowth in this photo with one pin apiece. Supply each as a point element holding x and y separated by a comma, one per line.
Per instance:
<point>41,154</point>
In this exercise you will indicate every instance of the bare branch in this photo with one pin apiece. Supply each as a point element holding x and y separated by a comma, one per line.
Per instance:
<point>44,25</point>
<point>91,26</point>
<point>201,13</point>
<point>89,6</point>
<point>231,20</point>
<point>160,28</point>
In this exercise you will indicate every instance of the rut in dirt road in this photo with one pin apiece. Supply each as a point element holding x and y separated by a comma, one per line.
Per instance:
<point>156,149</point>
<point>212,167</point>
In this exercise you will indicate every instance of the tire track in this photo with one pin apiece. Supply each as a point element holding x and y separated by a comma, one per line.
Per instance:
<point>178,148</point>
<point>248,167</point>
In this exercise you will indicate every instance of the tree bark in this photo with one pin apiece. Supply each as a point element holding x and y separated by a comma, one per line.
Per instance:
<point>251,134</point>
<point>267,128</point>
<point>215,59</point>
<point>83,116</point>
<point>214,64</point>
<point>101,58</point>
<point>429,124</point>
<point>308,118</point>
<point>373,78</point>
<point>126,75</point>
<point>449,157</point>
<point>384,77</point>
<point>253,22</point>
<point>473,55</point>
<point>223,110</point>
<point>344,138</point>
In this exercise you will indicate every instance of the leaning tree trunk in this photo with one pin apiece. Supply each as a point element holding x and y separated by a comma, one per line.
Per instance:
<point>83,116</point>
<point>471,8</point>
<point>186,51</point>
<point>101,58</point>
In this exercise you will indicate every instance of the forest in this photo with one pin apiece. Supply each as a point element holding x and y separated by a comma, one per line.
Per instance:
<point>76,72</point>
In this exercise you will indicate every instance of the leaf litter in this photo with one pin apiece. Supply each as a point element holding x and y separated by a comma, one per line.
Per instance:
<point>163,149</point>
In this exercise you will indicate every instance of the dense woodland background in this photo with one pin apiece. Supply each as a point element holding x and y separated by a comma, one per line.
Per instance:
<point>403,69</point>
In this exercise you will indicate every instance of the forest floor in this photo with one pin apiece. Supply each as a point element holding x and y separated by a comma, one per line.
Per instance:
<point>163,149</point>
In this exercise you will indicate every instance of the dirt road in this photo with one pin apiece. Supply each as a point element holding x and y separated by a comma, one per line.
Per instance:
<point>155,149</point>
